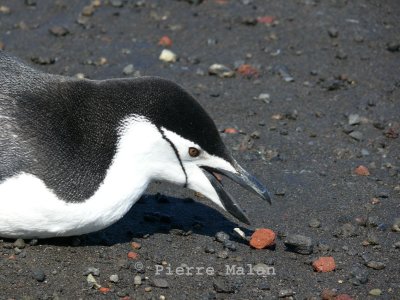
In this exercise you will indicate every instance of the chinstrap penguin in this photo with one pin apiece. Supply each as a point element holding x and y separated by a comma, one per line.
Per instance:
<point>75,154</point>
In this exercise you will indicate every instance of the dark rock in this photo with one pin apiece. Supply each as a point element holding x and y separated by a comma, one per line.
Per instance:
<point>38,275</point>
<point>59,31</point>
<point>358,276</point>
<point>299,243</point>
<point>221,237</point>
<point>393,46</point>
<point>346,230</point>
<point>333,32</point>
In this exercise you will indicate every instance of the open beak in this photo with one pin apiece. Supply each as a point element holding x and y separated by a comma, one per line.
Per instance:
<point>243,178</point>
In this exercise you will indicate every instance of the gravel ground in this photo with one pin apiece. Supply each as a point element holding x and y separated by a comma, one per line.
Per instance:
<point>311,92</point>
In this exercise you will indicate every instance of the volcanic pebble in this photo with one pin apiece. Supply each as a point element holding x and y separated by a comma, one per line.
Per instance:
<point>362,171</point>
<point>262,238</point>
<point>324,264</point>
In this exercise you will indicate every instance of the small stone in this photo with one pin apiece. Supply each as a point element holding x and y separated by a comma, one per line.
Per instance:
<point>19,243</point>
<point>5,10</point>
<point>168,56</point>
<point>324,264</point>
<point>396,225</point>
<point>222,254</point>
<point>314,223</point>
<point>354,119</point>
<point>148,289</point>
<point>299,243</point>
<point>30,2</point>
<point>136,245</point>
<point>263,285</point>
<point>221,237</point>
<point>328,294</point>
<point>283,72</point>
<point>358,276</point>
<point>333,32</point>
<point>209,249</point>
<point>88,11</point>
<point>221,286</point>
<point>137,280</point>
<point>230,245</point>
<point>165,41</point>
<point>375,292</point>
<point>221,71</point>
<point>262,238</point>
<point>93,271</point>
<point>343,297</point>
<point>376,265</point>
<point>361,171</point>
<point>38,275</point>
<point>117,3</point>
<point>265,97</point>
<point>393,46</point>
<point>114,278</point>
<point>396,245</point>
<point>346,230</point>
<point>160,283</point>
<point>133,255</point>
<point>128,70</point>
<point>357,135</point>
<point>341,54</point>
<point>285,293</point>
<point>59,31</point>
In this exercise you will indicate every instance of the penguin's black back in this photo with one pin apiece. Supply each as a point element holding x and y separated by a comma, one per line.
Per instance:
<point>64,130</point>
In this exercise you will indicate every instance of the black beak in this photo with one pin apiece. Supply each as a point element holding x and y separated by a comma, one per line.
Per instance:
<point>243,178</point>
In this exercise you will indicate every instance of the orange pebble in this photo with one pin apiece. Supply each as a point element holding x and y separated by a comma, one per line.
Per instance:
<point>324,264</point>
<point>262,238</point>
<point>362,171</point>
<point>165,41</point>
<point>104,290</point>
<point>230,130</point>
<point>133,255</point>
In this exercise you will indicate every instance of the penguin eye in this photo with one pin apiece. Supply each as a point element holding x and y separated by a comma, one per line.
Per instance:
<point>194,152</point>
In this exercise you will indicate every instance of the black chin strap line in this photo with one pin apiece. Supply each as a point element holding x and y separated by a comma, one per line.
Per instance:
<point>176,153</point>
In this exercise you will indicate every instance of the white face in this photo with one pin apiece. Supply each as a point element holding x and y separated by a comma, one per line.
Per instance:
<point>155,152</point>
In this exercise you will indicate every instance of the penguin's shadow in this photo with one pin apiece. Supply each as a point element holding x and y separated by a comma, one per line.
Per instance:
<point>158,214</point>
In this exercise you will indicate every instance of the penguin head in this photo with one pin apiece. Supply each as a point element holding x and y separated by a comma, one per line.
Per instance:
<point>172,138</point>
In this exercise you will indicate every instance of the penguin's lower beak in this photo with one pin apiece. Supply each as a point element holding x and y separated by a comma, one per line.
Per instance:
<point>243,178</point>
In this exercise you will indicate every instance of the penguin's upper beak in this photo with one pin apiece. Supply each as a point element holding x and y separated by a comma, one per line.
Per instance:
<point>241,177</point>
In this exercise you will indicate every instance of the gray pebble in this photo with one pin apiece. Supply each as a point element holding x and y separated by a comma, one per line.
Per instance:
<point>393,46</point>
<point>396,225</point>
<point>346,230</point>
<point>38,274</point>
<point>354,119</point>
<point>376,265</point>
<point>137,280</point>
<point>397,245</point>
<point>93,271</point>
<point>357,135</point>
<point>230,245</point>
<point>19,243</point>
<point>128,70</point>
<point>222,286</point>
<point>114,278</point>
<point>299,243</point>
<point>283,71</point>
<point>223,254</point>
<point>358,276</point>
<point>59,31</point>
<point>221,237</point>
<point>314,223</point>
<point>160,283</point>
<point>286,293</point>
<point>209,249</point>
<point>117,3</point>
<point>333,32</point>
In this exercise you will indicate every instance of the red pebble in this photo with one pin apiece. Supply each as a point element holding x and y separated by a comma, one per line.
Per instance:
<point>104,290</point>
<point>324,264</point>
<point>266,19</point>
<point>165,41</point>
<point>262,238</point>
<point>248,71</point>
<point>362,171</point>
<point>133,255</point>
<point>230,130</point>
